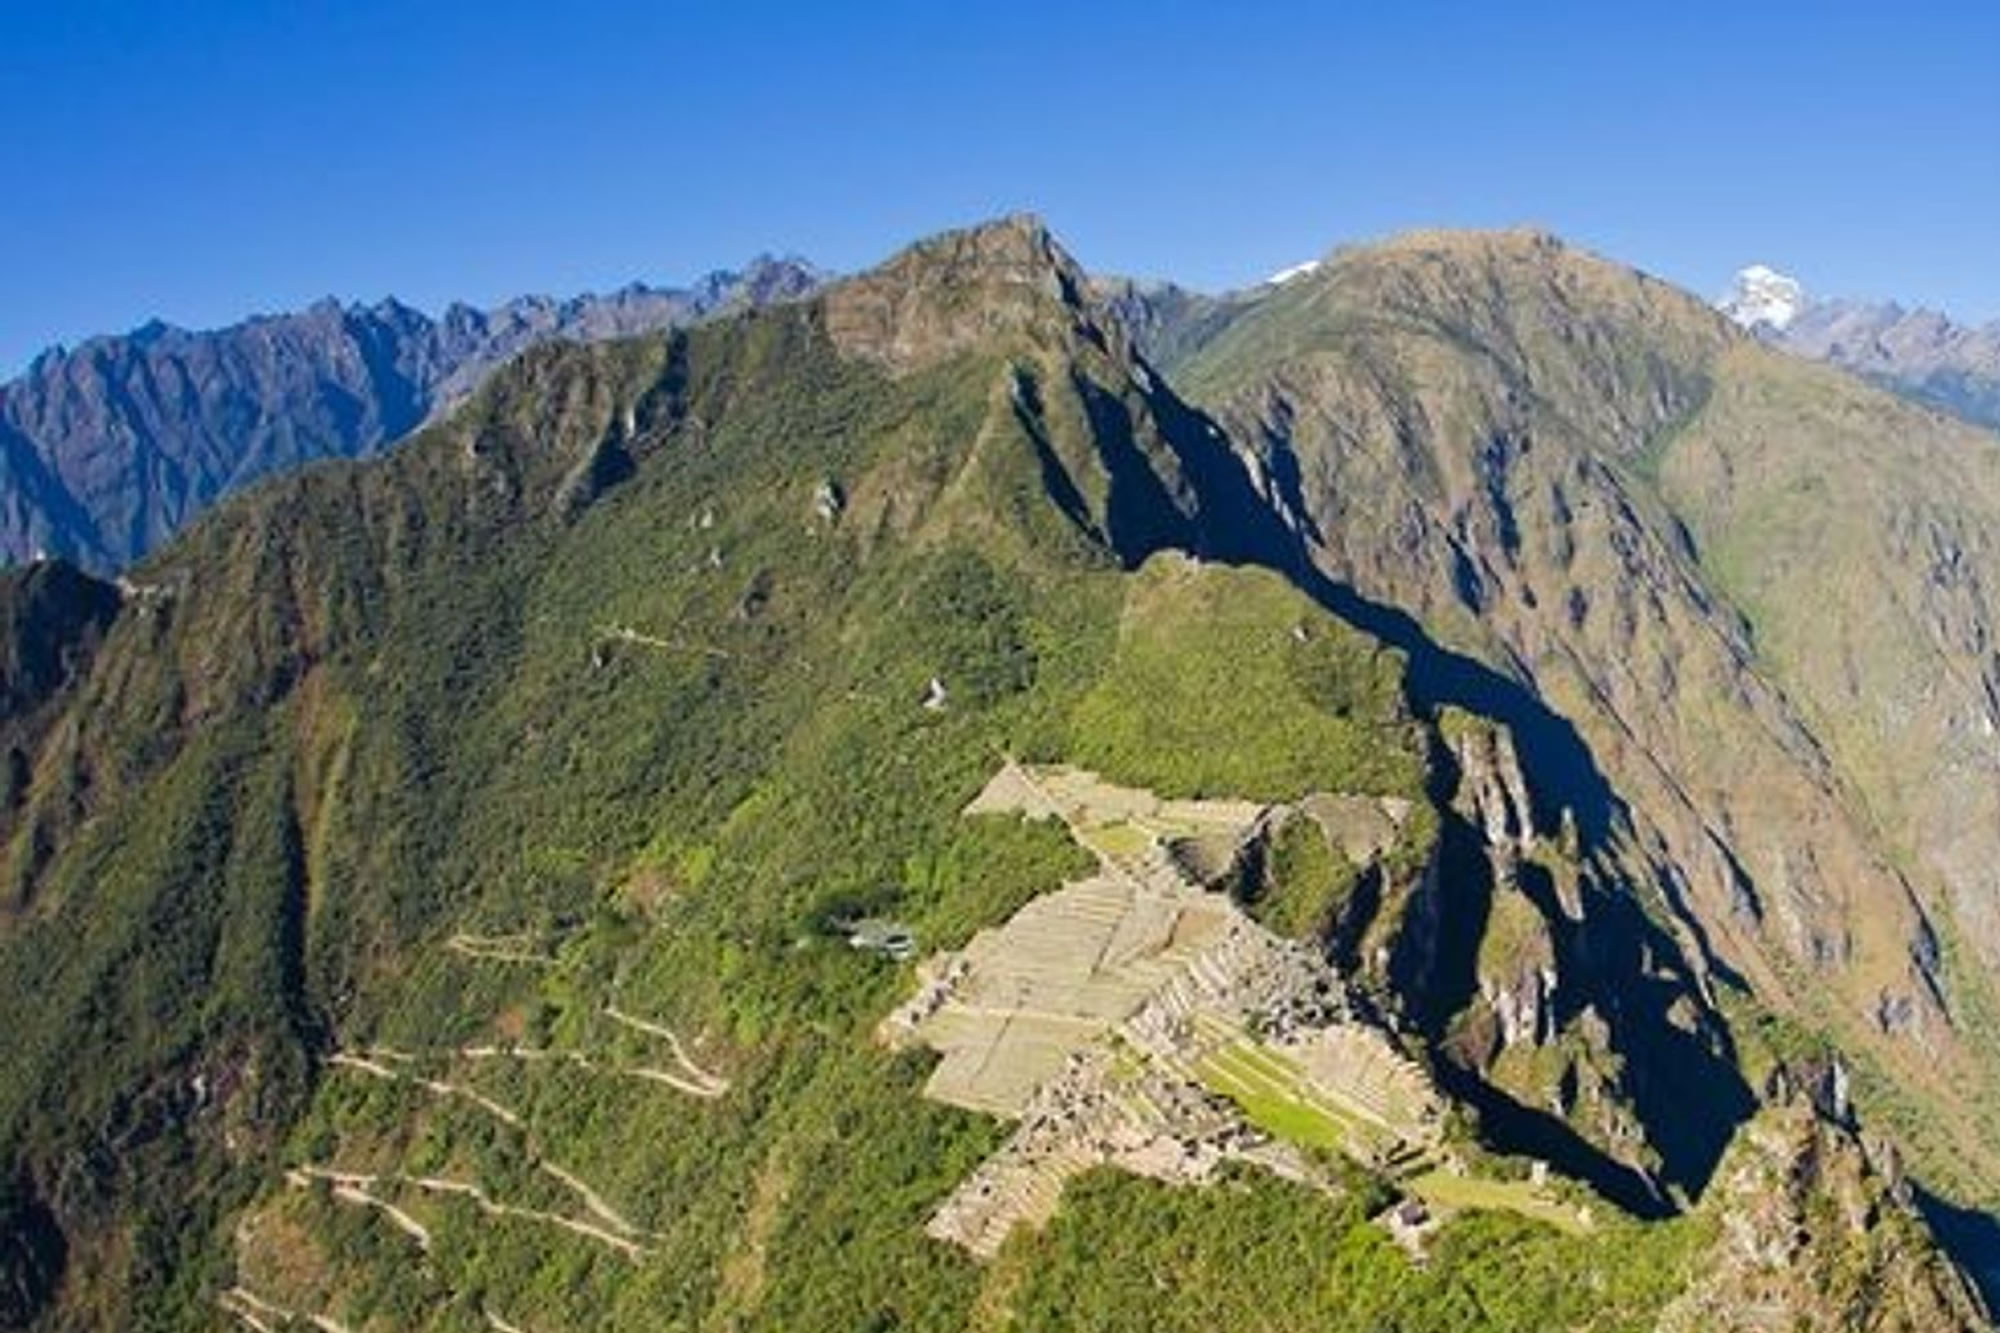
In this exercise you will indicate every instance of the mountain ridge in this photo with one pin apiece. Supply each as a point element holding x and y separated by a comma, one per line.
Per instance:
<point>628,687</point>
<point>1410,455</point>
<point>1922,354</point>
<point>117,442</point>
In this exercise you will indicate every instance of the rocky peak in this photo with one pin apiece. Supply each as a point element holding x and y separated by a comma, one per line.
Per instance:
<point>943,295</point>
<point>1502,322</point>
<point>764,280</point>
<point>1813,1235</point>
<point>1492,786</point>
<point>1921,354</point>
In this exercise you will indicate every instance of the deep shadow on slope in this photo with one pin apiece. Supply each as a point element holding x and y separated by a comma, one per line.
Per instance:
<point>1600,963</point>
<point>1603,959</point>
<point>1239,527</point>
<point>1971,1238</point>
<point>33,1250</point>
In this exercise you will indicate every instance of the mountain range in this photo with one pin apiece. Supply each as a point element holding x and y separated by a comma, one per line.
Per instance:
<point>1921,354</point>
<point>1452,790</point>
<point>109,448</point>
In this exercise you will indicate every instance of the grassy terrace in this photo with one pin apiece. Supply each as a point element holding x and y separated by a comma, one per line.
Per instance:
<point>1121,843</point>
<point>1446,1191</point>
<point>1275,1095</point>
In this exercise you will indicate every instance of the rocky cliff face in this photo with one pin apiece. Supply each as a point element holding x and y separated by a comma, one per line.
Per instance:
<point>1919,353</point>
<point>1734,609</point>
<point>107,449</point>
<point>1815,1231</point>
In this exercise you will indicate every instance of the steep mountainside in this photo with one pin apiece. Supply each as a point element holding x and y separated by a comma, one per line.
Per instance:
<point>108,449</point>
<point>1167,320</point>
<point>488,880</point>
<point>1756,588</point>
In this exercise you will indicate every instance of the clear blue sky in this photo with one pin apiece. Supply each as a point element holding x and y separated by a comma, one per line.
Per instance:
<point>202,159</point>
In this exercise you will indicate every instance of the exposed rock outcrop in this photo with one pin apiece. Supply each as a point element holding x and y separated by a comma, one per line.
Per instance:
<point>1589,508</point>
<point>1811,1235</point>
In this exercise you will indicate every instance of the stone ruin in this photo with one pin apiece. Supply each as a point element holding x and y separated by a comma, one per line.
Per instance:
<point>1088,1015</point>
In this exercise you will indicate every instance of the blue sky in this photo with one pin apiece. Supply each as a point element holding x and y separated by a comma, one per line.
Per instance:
<point>204,159</point>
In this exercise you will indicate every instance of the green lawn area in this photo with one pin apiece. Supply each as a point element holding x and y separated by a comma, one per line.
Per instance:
<point>1273,1096</point>
<point>1445,1190</point>
<point>1122,842</point>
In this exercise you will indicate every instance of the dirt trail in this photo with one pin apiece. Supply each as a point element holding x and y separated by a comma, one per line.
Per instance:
<point>674,1081</point>
<point>497,1110</point>
<point>352,1193</point>
<point>592,1200</point>
<point>485,1202</point>
<point>499,1325</point>
<point>254,1310</point>
<point>370,1063</point>
<point>630,635</point>
<point>492,1207</point>
<point>696,1082</point>
<point>707,1084</point>
<point>363,1063</point>
<point>498,948</point>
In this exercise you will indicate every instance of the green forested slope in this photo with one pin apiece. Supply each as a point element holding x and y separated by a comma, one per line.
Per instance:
<point>586,719</point>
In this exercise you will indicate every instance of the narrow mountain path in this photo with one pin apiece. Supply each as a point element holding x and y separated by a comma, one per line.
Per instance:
<point>253,1310</point>
<point>492,1207</point>
<point>348,1192</point>
<point>627,634</point>
<point>713,1085</point>
<point>370,1064</point>
<point>363,1063</point>
<point>266,1316</point>
<point>498,948</point>
<point>486,1203</point>
<point>697,1083</point>
<point>499,1111</point>
<point>675,1082</point>
<point>592,1200</point>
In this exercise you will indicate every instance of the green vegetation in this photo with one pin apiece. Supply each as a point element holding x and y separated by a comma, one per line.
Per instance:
<point>665,738</point>
<point>1305,884</point>
<point>1253,1253</point>
<point>1227,683</point>
<point>591,670</point>
<point>1448,1190</point>
<point>1270,1091</point>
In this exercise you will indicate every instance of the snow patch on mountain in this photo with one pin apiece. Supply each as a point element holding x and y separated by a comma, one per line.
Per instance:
<point>1762,296</point>
<point>1285,275</point>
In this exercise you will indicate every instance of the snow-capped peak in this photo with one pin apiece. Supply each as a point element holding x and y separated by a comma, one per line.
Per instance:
<point>1763,296</point>
<point>1285,275</point>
